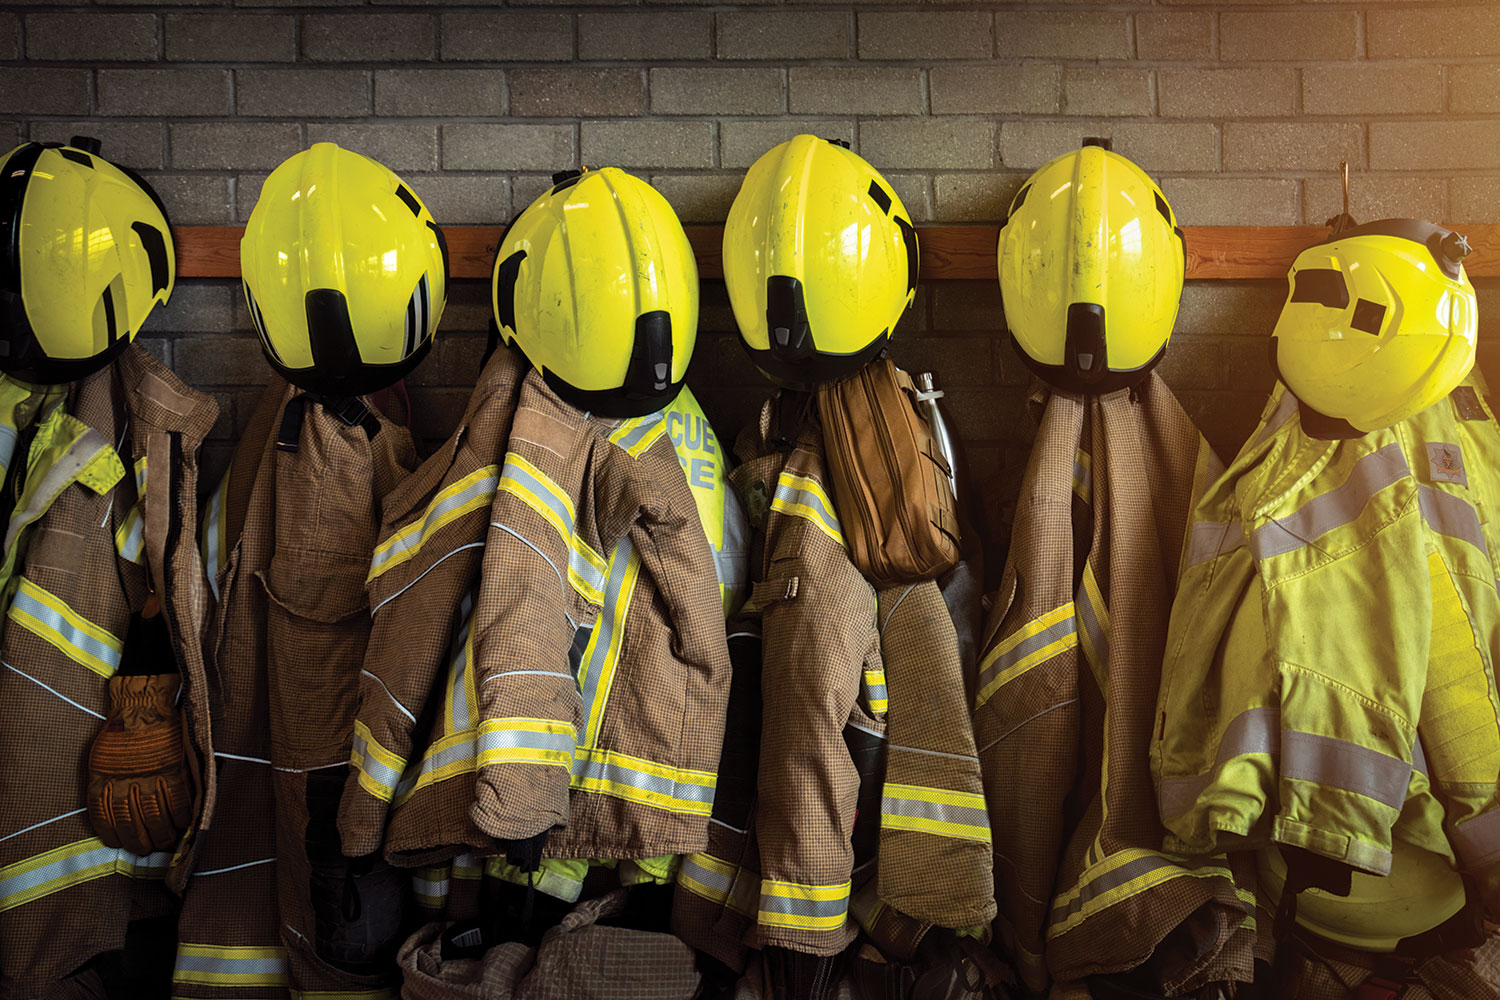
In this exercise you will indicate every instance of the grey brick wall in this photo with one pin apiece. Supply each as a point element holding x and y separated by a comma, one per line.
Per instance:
<point>1242,110</point>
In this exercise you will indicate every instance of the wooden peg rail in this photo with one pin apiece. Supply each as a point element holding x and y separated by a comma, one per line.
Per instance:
<point>947,251</point>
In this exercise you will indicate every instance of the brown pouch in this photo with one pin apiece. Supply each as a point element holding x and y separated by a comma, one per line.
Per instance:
<point>890,479</point>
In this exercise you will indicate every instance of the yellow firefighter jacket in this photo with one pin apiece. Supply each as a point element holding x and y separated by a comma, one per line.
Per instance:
<point>286,539</point>
<point>842,731</point>
<point>1329,676</point>
<point>1065,699</point>
<point>89,529</point>
<point>591,549</point>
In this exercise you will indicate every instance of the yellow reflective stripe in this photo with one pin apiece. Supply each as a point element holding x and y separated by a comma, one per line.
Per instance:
<point>560,878</point>
<point>1123,875</point>
<point>1093,624</point>
<point>227,965</point>
<point>635,779</point>
<point>129,537</point>
<point>445,758</point>
<point>472,492</point>
<point>379,769</point>
<point>936,811</point>
<point>516,740</point>
<point>719,882</point>
<point>533,487</point>
<point>214,543</point>
<point>876,692</point>
<point>1083,475</point>
<point>601,655</point>
<point>73,864</point>
<point>430,887</point>
<point>808,907</point>
<point>460,704</point>
<point>50,618</point>
<point>1035,642</point>
<point>637,434</point>
<point>467,866</point>
<point>804,497</point>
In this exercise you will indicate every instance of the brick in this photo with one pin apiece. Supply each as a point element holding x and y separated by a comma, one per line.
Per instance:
<point>208,360</point>
<point>509,147</point>
<point>194,199</point>
<point>467,199</point>
<point>1225,93</point>
<point>928,142</point>
<point>45,91</point>
<point>926,35</point>
<point>10,36</point>
<point>92,36</point>
<point>976,197</point>
<point>1474,200</point>
<point>966,305</point>
<point>400,147</point>
<point>1288,35</point>
<point>1192,363</point>
<point>1247,367</point>
<point>1430,32</point>
<point>1063,34</point>
<point>1174,34</point>
<point>164,93</point>
<point>504,36</point>
<point>742,143</point>
<point>577,92</point>
<point>784,35</point>
<point>524,189</point>
<point>637,35</point>
<point>1389,89</point>
<point>1242,308</point>
<point>912,189</point>
<point>439,92</point>
<point>1224,201</point>
<point>198,307</point>
<point>137,145</point>
<point>956,361</point>
<point>10,134</point>
<point>246,193</point>
<point>1433,147</point>
<point>1027,88</point>
<point>1226,418</point>
<point>233,145</point>
<point>368,37</point>
<point>646,144</point>
<point>1279,147</point>
<point>1474,87</point>
<point>469,307</point>
<point>1374,196</point>
<point>231,37</point>
<point>1091,91</point>
<point>839,91</point>
<point>716,91</point>
<point>302,93</point>
<point>1175,146</point>
<point>270,3</point>
<point>698,197</point>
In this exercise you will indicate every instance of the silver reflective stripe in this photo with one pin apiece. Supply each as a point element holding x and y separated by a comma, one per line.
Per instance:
<point>1419,758</point>
<point>1255,730</point>
<point>705,877</point>
<point>1098,637</point>
<point>483,486</point>
<point>1348,766</point>
<point>371,765</point>
<point>604,633</point>
<point>80,640</point>
<point>639,431</point>
<point>539,491</point>
<point>597,769</point>
<point>585,570</point>
<point>1128,872</point>
<point>8,437</point>
<point>1477,841</point>
<point>442,758</point>
<point>1041,640</point>
<point>941,812</point>
<point>461,708</point>
<point>1083,476</point>
<point>1452,516</point>
<point>57,478</point>
<point>875,692</point>
<point>804,907</point>
<point>787,493</point>
<point>1211,539</point>
<point>74,864</point>
<point>229,966</point>
<point>504,739</point>
<point>1333,509</point>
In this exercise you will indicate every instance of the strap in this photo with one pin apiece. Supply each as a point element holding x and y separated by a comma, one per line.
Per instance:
<point>769,592</point>
<point>351,410</point>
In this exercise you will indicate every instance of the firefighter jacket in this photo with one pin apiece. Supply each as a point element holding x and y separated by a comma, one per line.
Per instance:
<point>1066,694</point>
<point>851,741</point>
<point>1329,675</point>
<point>82,532</point>
<point>287,539</point>
<point>582,538</point>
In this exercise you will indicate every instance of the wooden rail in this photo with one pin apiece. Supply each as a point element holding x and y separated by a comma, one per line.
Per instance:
<point>947,251</point>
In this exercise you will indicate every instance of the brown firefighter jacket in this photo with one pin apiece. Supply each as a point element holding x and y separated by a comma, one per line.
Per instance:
<point>583,538</point>
<point>1065,698</point>
<point>91,529</point>
<point>863,804</point>
<point>286,539</point>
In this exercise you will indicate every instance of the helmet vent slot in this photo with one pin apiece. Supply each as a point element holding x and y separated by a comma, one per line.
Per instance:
<point>1163,208</point>
<point>909,237</point>
<point>1322,285</point>
<point>418,316</point>
<point>404,193</point>
<point>1017,201</point>
<point>82,159</point>
<point>442,242</point>
<point>107,308</point>
<point>155,246</point>
<point>880,197</point>
<point>1367,316</point>
<point>505,289</point>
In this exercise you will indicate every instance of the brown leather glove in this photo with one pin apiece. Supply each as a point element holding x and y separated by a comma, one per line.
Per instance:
<point>140,793</point>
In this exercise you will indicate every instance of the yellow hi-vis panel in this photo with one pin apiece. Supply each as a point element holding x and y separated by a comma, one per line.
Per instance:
<point>719,510</point>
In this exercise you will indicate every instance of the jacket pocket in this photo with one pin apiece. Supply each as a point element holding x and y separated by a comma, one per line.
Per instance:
<point>317,627</point>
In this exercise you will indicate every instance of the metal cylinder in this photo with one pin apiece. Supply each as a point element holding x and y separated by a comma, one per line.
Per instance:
<point>928,398</point>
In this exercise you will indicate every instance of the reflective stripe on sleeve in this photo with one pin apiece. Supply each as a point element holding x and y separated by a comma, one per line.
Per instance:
<point>228,966</point>
<point>73,864</point>
<point>719,881</point>
<point>444,758</point>
<point>804,497</point>
<point>472,492</point>
<point>1341,764</point>
<point>935,811</point>
<point>430,887</point>
<point>1208,540</point>
<point>637,434</point>
<point>635,779</point>
<point>876,692</point>
<point>49,617</point>
<point>515,740</point>
<point>804,907</point>
<point>1253,731</point>
<point>130,540</point>
<point>1477,841</point>
<point>1333,509</point>
<point>601,654</point>
<point>1083,476</point>
<point>560,878</point>
<point>379,769</point>
<point>1093,619</point>
<point>1451,515</point>
<point>1034,642</point>
<point>1126,873</point>
<point>533,487</point>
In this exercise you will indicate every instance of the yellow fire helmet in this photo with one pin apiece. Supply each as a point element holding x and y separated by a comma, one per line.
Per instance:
<point>1091,269</point>
<point>596,283</point>
<point>85,254</point>
<point>345,272</point>
<point>820,259</point>
<point>1380,322</point>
